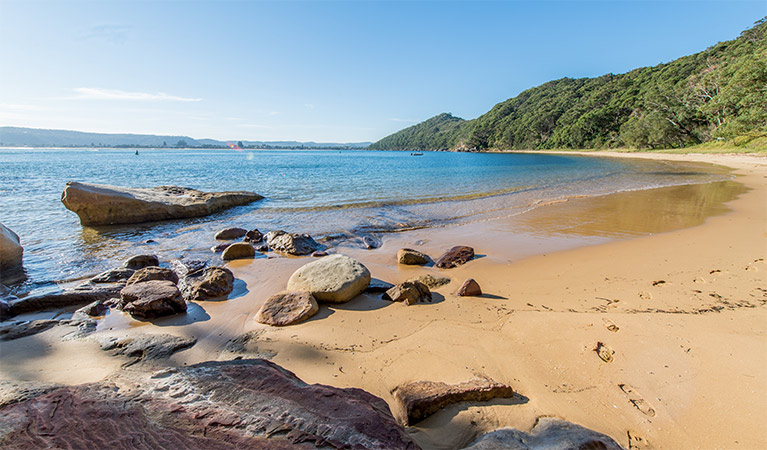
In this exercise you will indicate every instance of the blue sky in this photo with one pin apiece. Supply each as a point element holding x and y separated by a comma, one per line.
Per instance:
<point>316,70</point>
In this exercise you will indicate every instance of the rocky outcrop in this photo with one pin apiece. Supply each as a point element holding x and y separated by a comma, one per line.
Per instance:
<point>455,257</point>
<point>145,347</point>
<point>11,251</point>
<point>153,273</point>
<point>470,288</point>
<point>140,261</point>
<point>332,279</point>
<point>227,234</point>
<point>417,401</point>
<point>548,434</point>
<point>152,299</point>
<point>287,308</point>
<point>411,257</point>
<point>431,281</point>
<point>15,330</point>
<point>409,292</point>
<point>213,405</point>
<point>238,250</point>
<point>95,309</point>
<point>99,204</point>
<point>291,243</point>
<point>210,283</point>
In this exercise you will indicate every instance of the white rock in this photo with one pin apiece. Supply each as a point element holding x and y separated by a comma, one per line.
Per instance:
<point>332,279</point>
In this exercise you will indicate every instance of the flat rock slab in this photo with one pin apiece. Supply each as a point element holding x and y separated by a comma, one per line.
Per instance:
<point>418,400</point>
<point>63,299</point>
<point>16,330</point>
<point>455,257</point>
<point>332,279</point>
<point>214,405</point>
<point>118,275</point>
<point>152,273</point>
<point>100,204</point>
<point>145,347</point>
<point>152,299</point>
<point>548,434</point>
<point>287,308</point>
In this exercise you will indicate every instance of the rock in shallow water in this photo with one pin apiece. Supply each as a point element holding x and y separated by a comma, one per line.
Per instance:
<point>140,261</point>
<point>238,250</point>
<point>287,308</point>
<point>332,279</point>
<point>291,243</point>
<point>153,273</point>
<point>100,204</point>
<point>152,299</point>
<point>11,251</point>
<point>213,405</point>
<point>119,275</point>
<point>228,234</point>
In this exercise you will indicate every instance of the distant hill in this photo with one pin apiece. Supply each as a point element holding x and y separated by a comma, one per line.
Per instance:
<point>34,137</point>
<point>718,93</point>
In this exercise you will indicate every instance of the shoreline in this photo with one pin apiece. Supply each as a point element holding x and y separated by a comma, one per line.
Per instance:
<point>671,346</point>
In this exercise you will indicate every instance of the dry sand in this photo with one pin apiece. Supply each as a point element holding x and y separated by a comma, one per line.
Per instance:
<point>673,280</point>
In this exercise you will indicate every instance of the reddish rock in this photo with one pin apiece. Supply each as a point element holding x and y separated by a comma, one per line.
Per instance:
<point>287,308</point>
<point>470,288</point>
<point>418,400</point>
<point>152,299</point>
<point>409,292</point>
<point>152,273</point>
<point>455,257</point>
<point>214,405</point>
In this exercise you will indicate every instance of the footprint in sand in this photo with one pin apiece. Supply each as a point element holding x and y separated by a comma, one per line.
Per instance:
<point>645,295</point>
<point>637,400</point>
<point>610,325</point>
<point>659,283</point>
<point>713,271</point>
<point>605,353</point>
<point>637,442</point>
<point>698,280</point>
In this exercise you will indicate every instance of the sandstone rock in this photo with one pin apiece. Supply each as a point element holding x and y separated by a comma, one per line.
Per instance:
<point>548,434</point>
<point>140,261</point>
<point>63,299</point>
<point>15,330</point>
<point>431,281</point>
<point>145,347</point>
<point>412,257</point>
<point>291,243</point>
<point>11,251</point>
<point>454,257</point>
<point>119,275</point>
<point>332,279</point>
<point>470,288</point>
<point>227,234</point>
<point>417,401</point>
<point>13,391</point>
<point>238,250</point>
<point>213,406</point>
<point>98,204</point>
<point>207,284</point>
<point>153,273</point>
<point>152,299</point>
<point>377,286</point>
<point>254,236</point>
<point>409,292</point>
<point>95,309</point>
<point>287,308</point>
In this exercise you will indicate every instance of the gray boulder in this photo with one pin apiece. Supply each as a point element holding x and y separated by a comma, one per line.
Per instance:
<point>227,234</point>
<point>548,433</point>
<point>140,261</point>
<point>332,279</point>
<point>11,251</point>
<point>291,243</point>
<point>152,299</point>
<point>209,283</point>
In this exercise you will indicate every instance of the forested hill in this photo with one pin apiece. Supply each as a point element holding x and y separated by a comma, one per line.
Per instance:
<point>718,93</point>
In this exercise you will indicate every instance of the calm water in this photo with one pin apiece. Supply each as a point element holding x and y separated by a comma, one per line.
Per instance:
<point>331,194</point>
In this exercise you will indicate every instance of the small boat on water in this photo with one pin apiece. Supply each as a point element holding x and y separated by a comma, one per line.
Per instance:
<point>416,153</point>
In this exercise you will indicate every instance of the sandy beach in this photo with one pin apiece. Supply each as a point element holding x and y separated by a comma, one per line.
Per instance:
<point>672,280</point>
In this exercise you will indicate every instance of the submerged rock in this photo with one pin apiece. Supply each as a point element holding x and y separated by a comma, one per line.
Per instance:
<point>455,257</point>
<point>213,405</point>
<point>470,288</point>
<point>409,292</point>
<point>11,251</point>
<point>417,401</point>
<point>287,308</point>
<point>210,283</point>
<point>548,434</point>
<point>153,273</point>
<point>332,279</point>
<point>227,234</point>
<point>152,299</point>
<point>291,243</point>
<point>140,261</point>
<point>238,250</point>
<point>100,204</point>
<point>411,257</point>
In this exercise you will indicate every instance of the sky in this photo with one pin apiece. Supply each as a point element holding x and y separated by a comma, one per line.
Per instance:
<point>343,71</point>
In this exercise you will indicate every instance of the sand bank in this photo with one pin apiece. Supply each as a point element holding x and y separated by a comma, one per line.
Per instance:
<point>672,280</point>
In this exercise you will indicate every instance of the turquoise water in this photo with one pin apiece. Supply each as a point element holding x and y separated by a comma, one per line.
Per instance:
<point>332,194</point>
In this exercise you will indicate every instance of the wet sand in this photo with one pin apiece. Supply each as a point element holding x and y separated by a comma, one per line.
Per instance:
<point>672,280</point>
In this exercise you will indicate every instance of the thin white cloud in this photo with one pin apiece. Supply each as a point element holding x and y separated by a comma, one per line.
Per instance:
<point>116,34</point>
<point>115,94</point>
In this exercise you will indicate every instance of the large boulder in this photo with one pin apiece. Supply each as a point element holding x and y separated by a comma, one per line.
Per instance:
<point>214,405</point>
<point>209,283</point>
<point>152,299</point>
<point>100,204</point>
<point>153,273</point>
<point>291,243</point>
<point>455,257</point>
<point>11,252</point>
<point>287,308</point>
<point>332,279</point>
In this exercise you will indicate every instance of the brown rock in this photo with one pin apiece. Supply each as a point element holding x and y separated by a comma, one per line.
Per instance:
<point>152,299</point>
<point>287,308</point>
<point>411,257</point>
<point>454,257</point>
<point>227,234</point>
<point>99,204</point>
<point>238,250</point>
<point>254,236</point>
<point>548,433</point>
<point>214,406</point>
<point>470,288</point>
<point>140,261</point>
<point>409,292</point>
<point>291,243</point>
<point>431,281</point>
<point>207,284</point>
<point>95,309</point>
<point>417,401</point>
<point>119,275</point>
<point>152,273</point>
